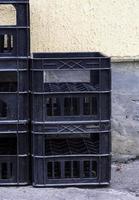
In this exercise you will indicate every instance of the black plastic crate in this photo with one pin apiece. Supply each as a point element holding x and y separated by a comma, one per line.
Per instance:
<point>14,170</point>
<point>71,113</point>
<point>70,72</point>
<point>14,97</point>
<point>71,170</point>
<point>71,107</point>
<point>14,63</point>
<point>71,144</point>
<point>14,106</point>
<point>68,127</point>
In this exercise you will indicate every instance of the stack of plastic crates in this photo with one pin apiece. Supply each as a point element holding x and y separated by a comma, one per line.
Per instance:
<point>71,113</point>
<point>14,97</point>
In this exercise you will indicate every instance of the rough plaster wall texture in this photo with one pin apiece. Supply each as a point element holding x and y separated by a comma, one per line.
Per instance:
<point>109,26</point>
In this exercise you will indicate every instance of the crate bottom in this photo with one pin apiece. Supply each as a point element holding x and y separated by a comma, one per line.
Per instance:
<point>71,184</point>
<point>15,184</point>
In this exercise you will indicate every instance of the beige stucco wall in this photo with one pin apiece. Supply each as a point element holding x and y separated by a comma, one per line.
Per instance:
<point>109,26</point>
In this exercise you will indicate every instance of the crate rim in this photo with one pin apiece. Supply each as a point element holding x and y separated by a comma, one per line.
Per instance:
<point>17,92</point>
<point>87,69</point>
<point>14,132</point>
<point>69,122</point>
<point>72,55</point>
<point>13,70</point>
<point>72,156</point>
<point>67,133</point>
<point>16,156</point>
<point>73,92</point>
<point>17,122</point>
<point>13,26</point>
<point>15,184</point>
<point>14,2</point>
<point>16,58</point>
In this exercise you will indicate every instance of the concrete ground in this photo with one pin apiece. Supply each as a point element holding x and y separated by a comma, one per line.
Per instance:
<point>124,186</point>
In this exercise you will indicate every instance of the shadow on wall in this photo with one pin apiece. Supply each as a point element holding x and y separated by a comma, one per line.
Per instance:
<point>125,108</point>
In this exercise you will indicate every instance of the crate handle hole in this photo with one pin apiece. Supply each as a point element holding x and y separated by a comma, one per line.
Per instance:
<point>6,43</point>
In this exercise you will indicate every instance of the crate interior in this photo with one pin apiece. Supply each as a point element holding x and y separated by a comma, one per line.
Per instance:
<point>8,81</point>
<point>3,109</point>
<point>8,145</point>
<point>6,170</point>
<point>72,105</point>
<point>70,87</point>
<point>71,80</point>
<point>71,145</point>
